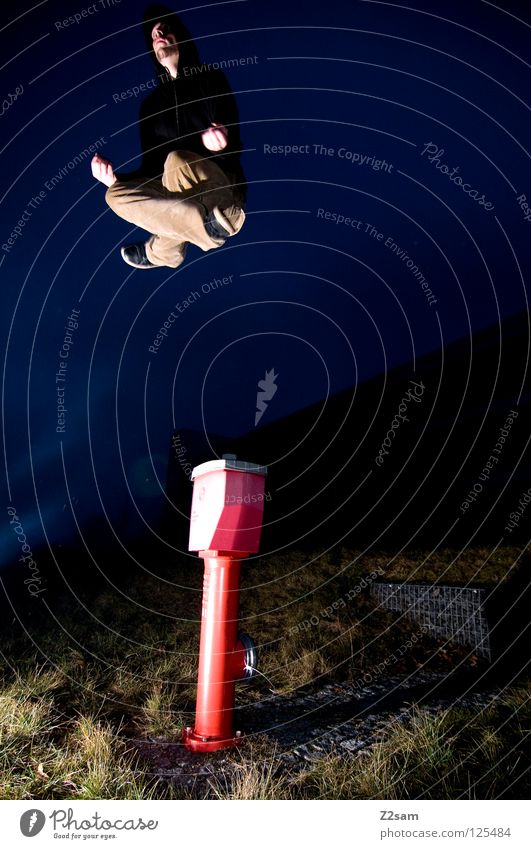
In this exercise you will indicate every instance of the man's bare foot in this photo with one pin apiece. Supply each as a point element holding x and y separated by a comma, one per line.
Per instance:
<point>102,170</point>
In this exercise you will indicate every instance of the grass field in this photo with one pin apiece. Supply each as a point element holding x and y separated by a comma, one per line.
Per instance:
<point>457,754</point>
<point>121,666</point>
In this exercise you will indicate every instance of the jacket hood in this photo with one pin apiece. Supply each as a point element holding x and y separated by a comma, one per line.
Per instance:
<point>188,53</point>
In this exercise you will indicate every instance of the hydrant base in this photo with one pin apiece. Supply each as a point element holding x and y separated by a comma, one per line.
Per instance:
<point>195,743</point>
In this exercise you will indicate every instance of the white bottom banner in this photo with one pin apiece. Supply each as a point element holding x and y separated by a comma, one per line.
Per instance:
<point>360,824</point>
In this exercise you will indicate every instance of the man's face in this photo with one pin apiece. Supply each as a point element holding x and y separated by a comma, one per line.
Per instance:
<point>164,42</point>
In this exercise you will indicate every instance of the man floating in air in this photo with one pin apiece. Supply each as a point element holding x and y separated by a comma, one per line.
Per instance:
<point>190,187</point>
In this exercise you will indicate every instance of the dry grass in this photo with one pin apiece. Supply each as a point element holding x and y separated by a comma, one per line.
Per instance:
<point>456,754</point>
<point>255,775</point>
<point>479,565</point>
<point>69,708</point>
<point>44,755</point>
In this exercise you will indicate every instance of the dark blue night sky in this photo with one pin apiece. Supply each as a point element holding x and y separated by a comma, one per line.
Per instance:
<point>386,149</point>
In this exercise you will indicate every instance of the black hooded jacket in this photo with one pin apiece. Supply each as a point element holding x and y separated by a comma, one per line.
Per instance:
<point>175,114</point>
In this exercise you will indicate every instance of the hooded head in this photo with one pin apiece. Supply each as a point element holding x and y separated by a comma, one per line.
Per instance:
<point>188,54</point>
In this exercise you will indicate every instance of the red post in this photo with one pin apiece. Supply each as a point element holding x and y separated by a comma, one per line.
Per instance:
<point>222,658</point>
<point>227,506</point>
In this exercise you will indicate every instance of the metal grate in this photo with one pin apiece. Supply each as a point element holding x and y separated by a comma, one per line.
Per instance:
<point>454,613</point>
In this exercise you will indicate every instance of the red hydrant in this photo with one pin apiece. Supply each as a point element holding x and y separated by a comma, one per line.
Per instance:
<point>225,527</point>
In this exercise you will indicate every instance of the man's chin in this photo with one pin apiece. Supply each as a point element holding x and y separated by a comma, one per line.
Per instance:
<point>163,53</point>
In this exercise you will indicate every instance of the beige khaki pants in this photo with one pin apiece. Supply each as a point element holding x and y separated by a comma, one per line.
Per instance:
<point>173,209</point>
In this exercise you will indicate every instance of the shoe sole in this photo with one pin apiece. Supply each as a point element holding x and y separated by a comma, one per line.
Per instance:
<point>231,219</point>
<point>134,264</point>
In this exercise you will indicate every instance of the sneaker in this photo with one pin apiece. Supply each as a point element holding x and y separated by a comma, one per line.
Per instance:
<point>223,223</point>
<point>135,255</point>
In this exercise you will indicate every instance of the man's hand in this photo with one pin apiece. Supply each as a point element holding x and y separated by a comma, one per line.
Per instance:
<point>102,170</point>
<point>215,138</point>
